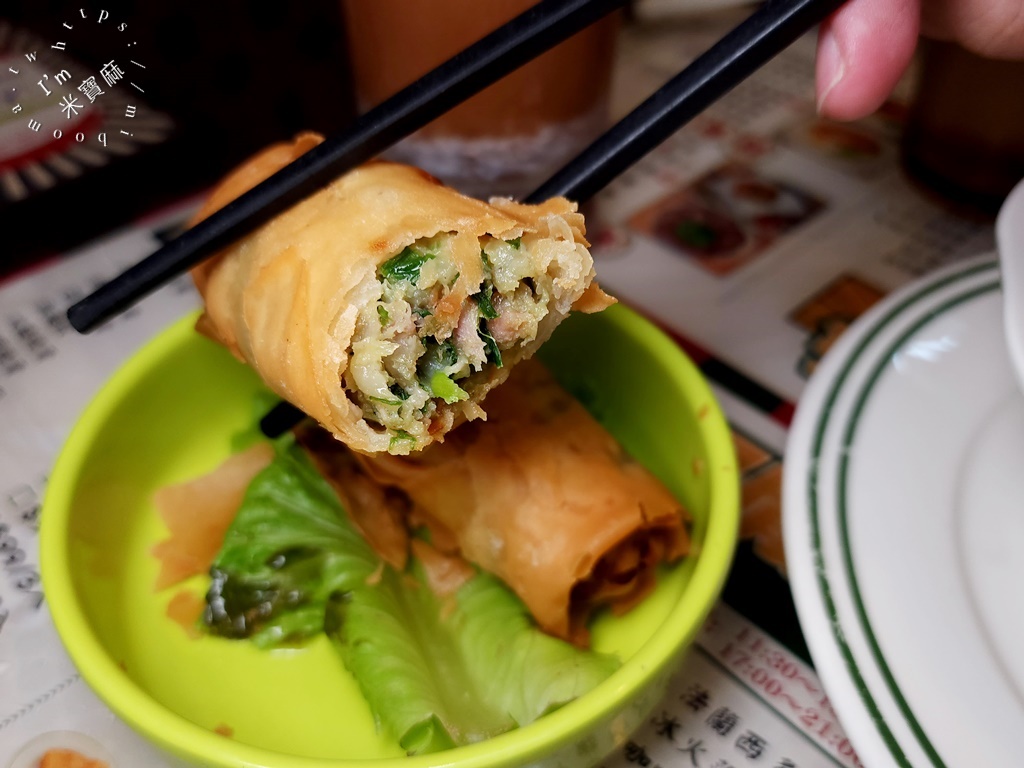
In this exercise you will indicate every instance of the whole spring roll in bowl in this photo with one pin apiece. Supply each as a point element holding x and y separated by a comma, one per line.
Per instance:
<point>541,495</point>
<point>387,305</point>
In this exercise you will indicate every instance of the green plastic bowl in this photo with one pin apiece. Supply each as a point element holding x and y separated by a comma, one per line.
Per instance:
<point>168,415</point>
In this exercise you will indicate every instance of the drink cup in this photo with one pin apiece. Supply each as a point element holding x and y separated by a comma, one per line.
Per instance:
<point>511,136</point>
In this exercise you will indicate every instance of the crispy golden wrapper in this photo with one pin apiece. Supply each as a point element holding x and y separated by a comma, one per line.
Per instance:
<point>295,298</point>
<point>544,497</point>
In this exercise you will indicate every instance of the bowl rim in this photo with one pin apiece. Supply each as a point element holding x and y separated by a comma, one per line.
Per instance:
<point>186,739</point>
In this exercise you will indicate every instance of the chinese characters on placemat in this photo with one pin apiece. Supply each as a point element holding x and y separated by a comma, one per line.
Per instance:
<point>19,523</point>
<point>47,375</point>
<point>741,700</point>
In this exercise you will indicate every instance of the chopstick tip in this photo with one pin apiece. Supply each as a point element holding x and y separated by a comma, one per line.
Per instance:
<point>81,317</point>
<point>280,419</point>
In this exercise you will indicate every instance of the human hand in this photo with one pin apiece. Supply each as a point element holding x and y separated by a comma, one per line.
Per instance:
<point>865,46</point>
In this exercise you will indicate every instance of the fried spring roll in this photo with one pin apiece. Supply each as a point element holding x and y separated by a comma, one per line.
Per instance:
<point>387,305</point>
<point>542,496</point>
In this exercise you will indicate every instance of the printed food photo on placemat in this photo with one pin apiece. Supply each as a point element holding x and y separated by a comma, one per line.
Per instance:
<point>761,523</point>
<point>728,217</point>
<point>758,585</point>
<point>864,148</point>
<point>828,313</point>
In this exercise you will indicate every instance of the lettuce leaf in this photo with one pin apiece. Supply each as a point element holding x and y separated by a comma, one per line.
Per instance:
<point>440,673</point>
<point>288,549</point>
<point>436,672</point>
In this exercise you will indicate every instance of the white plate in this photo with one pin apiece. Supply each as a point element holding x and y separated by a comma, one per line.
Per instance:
<point>904,526</point>
<point>1010,243</point>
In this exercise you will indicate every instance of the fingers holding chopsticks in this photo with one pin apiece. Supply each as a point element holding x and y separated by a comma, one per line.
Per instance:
<point>863,50</point>
<point>867,45</point>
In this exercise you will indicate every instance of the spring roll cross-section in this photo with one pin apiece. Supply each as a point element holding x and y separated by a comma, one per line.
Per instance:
<point>387,305</point>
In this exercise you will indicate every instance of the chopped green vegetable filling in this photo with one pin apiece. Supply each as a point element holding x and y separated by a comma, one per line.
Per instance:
<point>401,436</point>
<point>438,357</point>
<point>515,243</point>
<point>442,386</point>
<point>406,265</point>
<point>493,353</point>
<point>383,314</point>
<point>434,369</point>
<point>385,400</point>
<point>483,301</point>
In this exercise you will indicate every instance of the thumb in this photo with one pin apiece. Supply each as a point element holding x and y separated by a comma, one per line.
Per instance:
<point>863,49</point>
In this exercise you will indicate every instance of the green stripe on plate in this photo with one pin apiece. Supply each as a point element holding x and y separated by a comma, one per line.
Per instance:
<point>819,558</point>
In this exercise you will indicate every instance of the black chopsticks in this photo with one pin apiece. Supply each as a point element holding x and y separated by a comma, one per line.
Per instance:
<point>771,28</point>
<point>764,34</point>
<point>504,50</point>
<point>750,45</point>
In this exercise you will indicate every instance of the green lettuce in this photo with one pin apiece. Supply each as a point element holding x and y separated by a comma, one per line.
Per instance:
<point>436,672</point>
<point>288,549</point>
<point>442,674</point>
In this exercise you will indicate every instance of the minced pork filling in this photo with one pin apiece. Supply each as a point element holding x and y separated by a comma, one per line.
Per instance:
<point>408,363</point>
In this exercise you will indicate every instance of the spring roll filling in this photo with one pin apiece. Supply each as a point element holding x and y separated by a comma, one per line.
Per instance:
<point>417,346</point>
